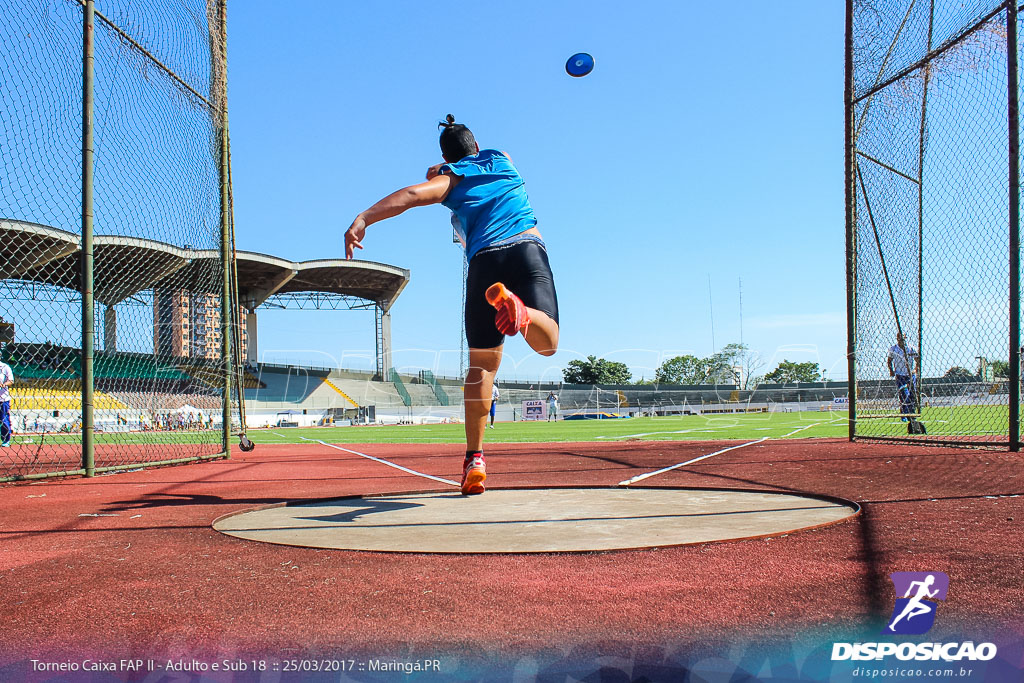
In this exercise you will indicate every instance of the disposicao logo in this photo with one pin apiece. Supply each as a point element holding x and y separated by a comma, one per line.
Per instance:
<point>914,614</point>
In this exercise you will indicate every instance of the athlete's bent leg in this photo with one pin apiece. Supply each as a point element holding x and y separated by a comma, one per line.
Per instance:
<point>542,333</point>
<point>483,366</point>
<point>513,316</point>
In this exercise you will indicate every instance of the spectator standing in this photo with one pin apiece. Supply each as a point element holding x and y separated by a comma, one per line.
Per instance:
<point>552,406</point>
<point>6,381</point>
<point>904,367</point>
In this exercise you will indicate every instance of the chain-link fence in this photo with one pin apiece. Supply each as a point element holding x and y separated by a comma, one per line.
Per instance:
<point>112,219</point>
<point>930,222</point>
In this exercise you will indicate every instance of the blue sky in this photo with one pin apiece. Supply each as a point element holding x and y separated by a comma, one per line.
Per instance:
<point>706,142</point>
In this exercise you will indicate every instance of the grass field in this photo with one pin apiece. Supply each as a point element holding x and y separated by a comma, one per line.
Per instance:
<point>695,427</point>
<point>973,420</point>
<point>982,420</point>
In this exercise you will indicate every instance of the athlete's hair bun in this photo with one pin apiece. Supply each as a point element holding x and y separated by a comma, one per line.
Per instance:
<point>448,122</point>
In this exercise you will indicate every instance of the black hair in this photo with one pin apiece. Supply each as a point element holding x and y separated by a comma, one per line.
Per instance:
<point>457,141</point>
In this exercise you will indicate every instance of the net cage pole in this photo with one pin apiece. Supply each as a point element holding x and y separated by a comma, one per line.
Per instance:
<point>885,270</point>
<point>927,70</point>
<point>239,369</point>
<point>236,311</point>
<point>101,216</point>
<point>88,167</point>
<point>219,37</point>
<point>1013,125</point>
<point>925,87</point>
<point>853,176</point>
<point>851,233</point>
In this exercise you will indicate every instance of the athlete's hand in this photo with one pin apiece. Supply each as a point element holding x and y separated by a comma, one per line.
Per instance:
<point>354,237</point>
<point>433,170</point>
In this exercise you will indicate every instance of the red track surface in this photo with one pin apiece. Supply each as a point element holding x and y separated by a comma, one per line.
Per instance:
<point>156,580</point>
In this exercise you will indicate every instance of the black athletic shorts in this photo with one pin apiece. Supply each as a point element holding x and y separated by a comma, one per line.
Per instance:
<point>522,267</point>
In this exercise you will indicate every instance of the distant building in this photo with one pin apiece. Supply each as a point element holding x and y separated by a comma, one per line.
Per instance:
<point>187,324</point>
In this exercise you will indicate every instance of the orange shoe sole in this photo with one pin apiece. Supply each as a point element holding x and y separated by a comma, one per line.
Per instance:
<point>499,296</point>
<point>474,482</point>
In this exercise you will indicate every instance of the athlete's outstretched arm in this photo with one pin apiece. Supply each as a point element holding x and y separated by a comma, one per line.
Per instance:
<point>430,192</point>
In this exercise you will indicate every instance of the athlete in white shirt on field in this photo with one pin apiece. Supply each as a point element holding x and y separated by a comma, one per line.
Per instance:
<point>494,401</point>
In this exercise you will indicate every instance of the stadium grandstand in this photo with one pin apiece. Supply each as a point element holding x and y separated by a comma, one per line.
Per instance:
<point>294,395</point>
<point>176,382</point>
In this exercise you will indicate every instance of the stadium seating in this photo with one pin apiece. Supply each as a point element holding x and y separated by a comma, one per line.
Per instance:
<point>422,395</point>
<point>369,393</point>
<point>283,384</point>
<point>439,392</point>
<point>396,379</point>
<point>211,373</point>
<point>48,400</point>
<point>134,367</point>
<point>160,401</point>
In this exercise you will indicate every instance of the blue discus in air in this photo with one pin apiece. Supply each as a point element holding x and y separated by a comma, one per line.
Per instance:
<point>579,65</point>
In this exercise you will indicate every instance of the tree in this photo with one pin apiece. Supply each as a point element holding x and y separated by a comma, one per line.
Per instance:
<point>596,370</point>
<point>1000,368</point>
<point>735,364</point>
<point>957,372</point>
<point>720,368</point>
<point>682,370</point>
<point>788,371</point>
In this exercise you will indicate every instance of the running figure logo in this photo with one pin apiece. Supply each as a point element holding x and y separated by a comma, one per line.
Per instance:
<point>914,613</point>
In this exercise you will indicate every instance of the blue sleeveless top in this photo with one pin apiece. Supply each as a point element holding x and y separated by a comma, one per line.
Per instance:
<point>489,204</point>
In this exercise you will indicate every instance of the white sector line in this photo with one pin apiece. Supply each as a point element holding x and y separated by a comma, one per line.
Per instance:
<point>383,462</point>
<point>641,477</point>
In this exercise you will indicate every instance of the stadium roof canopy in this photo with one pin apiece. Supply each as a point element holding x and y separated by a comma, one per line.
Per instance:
<point>125,266</point>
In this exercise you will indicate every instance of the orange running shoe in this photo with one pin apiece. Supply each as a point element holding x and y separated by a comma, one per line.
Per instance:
<point>473,474</point>
<point>512,315</point>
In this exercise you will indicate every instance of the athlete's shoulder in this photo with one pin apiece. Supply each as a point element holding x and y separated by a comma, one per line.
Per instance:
<point>495,156</point>
<point>472,165</point>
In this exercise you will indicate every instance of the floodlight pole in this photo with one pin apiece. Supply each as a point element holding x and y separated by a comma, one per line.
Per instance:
<point>1013,125</point>
<point>88,154</point>
<point>851,231</point>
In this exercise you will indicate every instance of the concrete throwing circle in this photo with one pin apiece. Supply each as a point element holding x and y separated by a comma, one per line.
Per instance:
<point>534,520</point>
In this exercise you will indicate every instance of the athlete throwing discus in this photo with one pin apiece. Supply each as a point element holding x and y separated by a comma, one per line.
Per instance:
<point>509,288</point>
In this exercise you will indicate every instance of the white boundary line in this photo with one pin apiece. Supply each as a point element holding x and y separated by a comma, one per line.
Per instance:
<point>700,429</point>
<point>641,477</point>
<point>797,430</point>
<point>383,462</point>
<point>678,431</point>
<point>627,482</point>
